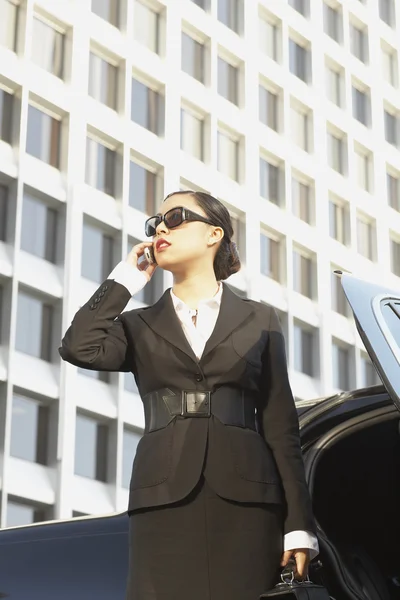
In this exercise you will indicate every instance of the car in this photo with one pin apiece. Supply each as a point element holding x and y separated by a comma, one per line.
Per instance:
<point>351,450</point>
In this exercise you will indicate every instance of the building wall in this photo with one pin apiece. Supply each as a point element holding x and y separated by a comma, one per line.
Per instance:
<point>286,111</point>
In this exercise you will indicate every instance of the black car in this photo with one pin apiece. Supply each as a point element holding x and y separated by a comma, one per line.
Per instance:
<point>351,446</point>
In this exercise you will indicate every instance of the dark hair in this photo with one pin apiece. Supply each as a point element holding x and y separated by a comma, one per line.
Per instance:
<point>226,261</point>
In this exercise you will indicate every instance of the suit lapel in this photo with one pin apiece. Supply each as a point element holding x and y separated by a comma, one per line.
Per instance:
<point>163,320</point>
<point>233,311</point>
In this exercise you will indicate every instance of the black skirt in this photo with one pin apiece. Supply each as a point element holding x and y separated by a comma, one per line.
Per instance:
<point>204,548</point>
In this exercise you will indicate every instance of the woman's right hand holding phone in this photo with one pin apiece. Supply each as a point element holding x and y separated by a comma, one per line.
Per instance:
<point>135,254</point>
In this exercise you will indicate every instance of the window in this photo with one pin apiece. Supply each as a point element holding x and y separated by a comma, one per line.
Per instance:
<point>299,61</point>
<point>103,376</point>
<point>192,134</point>
<point>146,26</point>
<point>337,153</point>
<point>23,513</point>
<point>142,189</point>
<point>3,213</point>
<point>332,22</point>
<point>359,42</point>
<point>29,429</point>
<point>269,257</point>
<point>34,326</point>
<point>386,12</point>
<point>339,222</point>
<point>268,36</point>
<point>271,187</point>
<point>391,128</point>
<point>361,105</point>
<point>389,65</point>
<point>152,291</point>
<point>103,81</point>
<point>39,228</point>
<point>340,366</point>
<point>97,253</point>
<point>301,201</point>
<point>6,106</point>
<point>365,238</point>
<point>100,166</point>
<point>393,191</point>
<point>335,85</point>
<point>305,350</point>
<point>300,5</point>
<point>369,376</point>
<point>107,10</point>
<point>228,13</point>
<point>192,57</point>
<point>268,107</point>
<point>43,136</point>
<point>147,107</point>
<point>91,448</point>
<point>364,169</point>
<point>130,383</point>
<point>228,155</point>
<point>303,274</point>
<point>338,298</point>
<point>8,23</point>
<point>301,128</point>
<point>130,440</point>
<point>228,79</point>
<point>48,47</point>
<point>395,256</point>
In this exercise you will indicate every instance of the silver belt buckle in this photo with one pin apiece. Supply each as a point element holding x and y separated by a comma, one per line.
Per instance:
<point>196,403</point>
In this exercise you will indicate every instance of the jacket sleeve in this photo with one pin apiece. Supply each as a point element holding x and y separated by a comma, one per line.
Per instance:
<point>96,338</point>
<point>280,427</point>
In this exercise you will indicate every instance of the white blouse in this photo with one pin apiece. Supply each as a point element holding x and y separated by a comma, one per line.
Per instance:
<point>197,336</point>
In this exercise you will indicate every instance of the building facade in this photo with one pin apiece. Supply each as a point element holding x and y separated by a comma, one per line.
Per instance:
<point>288,111</point>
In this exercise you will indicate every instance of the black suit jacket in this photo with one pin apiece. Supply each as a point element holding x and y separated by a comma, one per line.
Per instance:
<point>246,350</point>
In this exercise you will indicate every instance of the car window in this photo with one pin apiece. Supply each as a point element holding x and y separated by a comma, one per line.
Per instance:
<point>376,310</point>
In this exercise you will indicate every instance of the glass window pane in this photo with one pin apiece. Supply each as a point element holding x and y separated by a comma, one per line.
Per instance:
<point>107,10</point>
<point>47,47</point>
<point>228,13</point>
<point>85,447</point>
<point>6,105</point>
<point>145,108</point>
<point>19,514</point>
<point>268,106</point>
<point>29,325</point>
<point>24,428</point>
<point>8,24</point>
<point>146,24</point>
<point>192,134</point>
<point>268,38</point>
<point>130,442</point>
<point>3,212</point>
<point>97,253</point>
<point>192,57</point>
<point>228,156</point>
<point>43,136</point>
<point>103,81</point>
<point>227,81</point>
<point>38,229</point>
<point>142,188</point>
<point>100,167</point>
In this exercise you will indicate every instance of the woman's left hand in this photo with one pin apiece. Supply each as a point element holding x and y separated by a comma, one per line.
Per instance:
<point>302,558</point>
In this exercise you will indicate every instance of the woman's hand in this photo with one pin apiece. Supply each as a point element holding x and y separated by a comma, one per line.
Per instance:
<point>302,558</point>
<point>133,259</point>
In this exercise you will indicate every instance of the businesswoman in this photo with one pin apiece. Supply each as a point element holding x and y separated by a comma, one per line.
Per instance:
<point>218,498</point>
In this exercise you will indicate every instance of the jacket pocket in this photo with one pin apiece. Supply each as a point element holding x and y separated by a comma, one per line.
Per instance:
<point>152,463</point>
<point>252,457</point>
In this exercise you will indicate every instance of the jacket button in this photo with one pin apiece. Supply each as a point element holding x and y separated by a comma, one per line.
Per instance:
<point>199,377</point>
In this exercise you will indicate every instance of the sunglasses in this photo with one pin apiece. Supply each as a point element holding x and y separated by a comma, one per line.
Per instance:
<point>173,218</point>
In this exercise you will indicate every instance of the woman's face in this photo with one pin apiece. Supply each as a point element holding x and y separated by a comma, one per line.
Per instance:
<point>189,242</point>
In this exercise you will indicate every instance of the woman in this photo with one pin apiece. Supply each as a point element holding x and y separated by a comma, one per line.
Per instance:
<point>218,498</point>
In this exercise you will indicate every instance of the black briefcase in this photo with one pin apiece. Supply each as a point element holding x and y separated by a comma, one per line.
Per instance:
<point>290,588</point>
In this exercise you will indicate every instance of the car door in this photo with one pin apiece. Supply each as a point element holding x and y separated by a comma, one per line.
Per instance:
<point>376,311</point>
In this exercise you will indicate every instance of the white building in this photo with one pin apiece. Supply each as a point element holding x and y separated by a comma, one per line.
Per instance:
<point>287,110</point>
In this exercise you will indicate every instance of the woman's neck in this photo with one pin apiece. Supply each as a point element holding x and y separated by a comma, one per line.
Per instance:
<point>193,289</point>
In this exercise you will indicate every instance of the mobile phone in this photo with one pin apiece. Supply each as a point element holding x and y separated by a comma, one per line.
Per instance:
<point>149,254</point>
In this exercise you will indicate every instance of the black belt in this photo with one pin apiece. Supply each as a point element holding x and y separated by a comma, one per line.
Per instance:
<point>231,406</point>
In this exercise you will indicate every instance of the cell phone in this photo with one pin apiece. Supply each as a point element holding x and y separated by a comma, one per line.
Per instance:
<point>149,254</point>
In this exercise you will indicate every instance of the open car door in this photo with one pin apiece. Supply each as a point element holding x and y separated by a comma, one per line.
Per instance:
<point>376,312</point>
